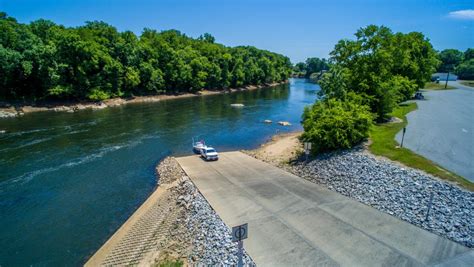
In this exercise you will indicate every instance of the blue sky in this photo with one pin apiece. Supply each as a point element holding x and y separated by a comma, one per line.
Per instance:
<point>298,28</point>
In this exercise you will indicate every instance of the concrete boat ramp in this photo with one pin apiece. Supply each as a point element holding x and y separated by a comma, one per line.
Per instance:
<point>293,222</point>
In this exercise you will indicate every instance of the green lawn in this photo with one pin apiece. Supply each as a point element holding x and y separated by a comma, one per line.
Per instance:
<point>437,86</point>
<point>383,143</point>
<point>467,83</point>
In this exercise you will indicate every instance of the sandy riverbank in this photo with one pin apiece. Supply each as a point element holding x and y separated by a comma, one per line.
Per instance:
<point>280,150</point>
<point>13,110</point>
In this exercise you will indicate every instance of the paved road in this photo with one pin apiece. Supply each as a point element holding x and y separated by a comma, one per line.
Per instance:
<point>293,222</point>
<point>442,129</point>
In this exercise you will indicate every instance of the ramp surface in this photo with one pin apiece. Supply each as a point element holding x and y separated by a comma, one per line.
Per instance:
<point>296,222</point>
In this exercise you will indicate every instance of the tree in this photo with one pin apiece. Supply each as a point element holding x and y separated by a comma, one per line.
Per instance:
<point>468,54</point>
<point>300,67</point>
<point>333,84</point>
<point>413,57</point>
<point>43,60</point>
<point>368,77</point>
<point>207,37</point>
<point>312,65</point>
<point>465,70</point>
<point>315,64</point>
<point>376,56</point>
<point>449,58</point>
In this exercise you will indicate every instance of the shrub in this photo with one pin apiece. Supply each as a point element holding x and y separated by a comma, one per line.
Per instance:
<point>465,70</point>
<point>404,87</point>
<point>334,124</point>
<point>97,94</point>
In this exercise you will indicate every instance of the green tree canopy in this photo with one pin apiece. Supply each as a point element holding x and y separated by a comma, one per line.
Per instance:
<point>450,58</point>
<point>368,77</point>
<point>469,54</point>
<point>373,61</point>
<point>465,70</point>
<point>312,65</point>
<point>44,60</point>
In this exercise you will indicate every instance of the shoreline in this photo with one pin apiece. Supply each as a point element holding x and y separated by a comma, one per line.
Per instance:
<point>174,225</point>
<point>189,228</point>
<point>10,110</point>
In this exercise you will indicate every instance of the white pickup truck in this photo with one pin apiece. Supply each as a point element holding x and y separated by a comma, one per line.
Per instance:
<point>209,153</point>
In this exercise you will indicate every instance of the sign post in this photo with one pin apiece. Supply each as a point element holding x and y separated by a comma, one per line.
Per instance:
<point>240,233</point>
<point>307,149</point>
<point>403,135</point>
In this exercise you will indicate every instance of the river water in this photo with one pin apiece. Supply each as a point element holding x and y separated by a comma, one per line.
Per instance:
<point>69,180</point>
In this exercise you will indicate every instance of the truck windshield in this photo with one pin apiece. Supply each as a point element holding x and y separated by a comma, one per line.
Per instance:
<point>210,151</point>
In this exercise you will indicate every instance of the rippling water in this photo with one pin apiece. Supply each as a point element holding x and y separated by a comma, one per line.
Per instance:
<point>69,180</point>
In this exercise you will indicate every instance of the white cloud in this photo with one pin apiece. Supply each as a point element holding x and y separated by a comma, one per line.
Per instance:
<point>467,14</point>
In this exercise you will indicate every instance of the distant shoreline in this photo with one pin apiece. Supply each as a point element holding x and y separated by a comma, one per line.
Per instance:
<point>15,110</point>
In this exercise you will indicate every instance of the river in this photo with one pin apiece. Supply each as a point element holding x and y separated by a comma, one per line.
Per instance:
<point>69,180</point>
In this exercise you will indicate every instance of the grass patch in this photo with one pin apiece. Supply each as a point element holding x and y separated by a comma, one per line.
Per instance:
<point>384,144</point>
<point>467,83</point>
<point>437,86</point>
<point>170,263</point>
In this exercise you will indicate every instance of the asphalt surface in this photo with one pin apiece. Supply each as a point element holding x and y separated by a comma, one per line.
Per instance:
<point>293,222</point>
<point>442,129</point>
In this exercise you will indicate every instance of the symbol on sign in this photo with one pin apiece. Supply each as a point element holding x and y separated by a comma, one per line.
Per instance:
<point>239,232</point>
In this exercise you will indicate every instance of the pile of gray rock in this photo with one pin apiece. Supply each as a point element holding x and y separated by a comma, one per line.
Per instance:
<point>400,191</point>
<point>211,238</point>
<point>204,236</point>
<point>168,171</point>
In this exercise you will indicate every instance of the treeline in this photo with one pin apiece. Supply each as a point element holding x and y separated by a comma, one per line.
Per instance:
<point>312,68</point>
<point>44,60</point>
<point>368,77</point>
<point>461,63</point>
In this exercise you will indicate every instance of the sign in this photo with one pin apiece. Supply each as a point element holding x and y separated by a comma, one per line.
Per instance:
<point>240,232</point>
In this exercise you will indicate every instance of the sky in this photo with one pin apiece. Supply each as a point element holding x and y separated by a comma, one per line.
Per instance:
<point>296,28</point>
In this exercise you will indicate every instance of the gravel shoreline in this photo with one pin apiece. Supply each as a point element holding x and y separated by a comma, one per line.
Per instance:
<point>202,235</point>
<point>394,189</point>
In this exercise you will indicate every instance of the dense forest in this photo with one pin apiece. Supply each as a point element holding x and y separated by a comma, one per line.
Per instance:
<point>43,60</point>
